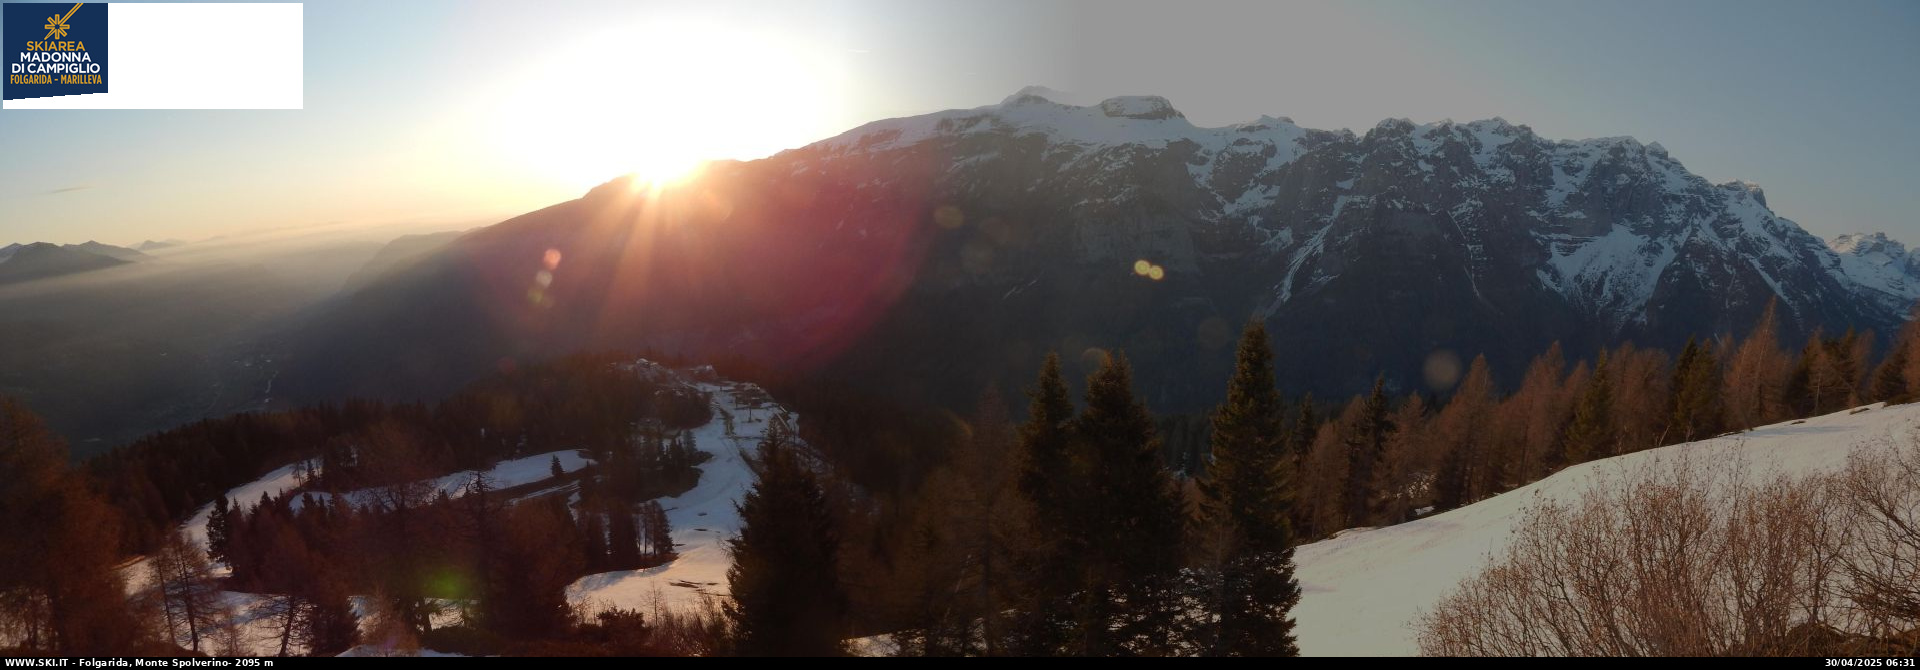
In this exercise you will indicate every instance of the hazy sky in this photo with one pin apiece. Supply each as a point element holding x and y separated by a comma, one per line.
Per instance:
<point>466,112</point>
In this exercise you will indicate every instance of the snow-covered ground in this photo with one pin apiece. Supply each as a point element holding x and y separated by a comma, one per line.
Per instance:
<point>505,474</point>
<point>1363,589</point>
<point>257,634</point>
<point>703,518</point>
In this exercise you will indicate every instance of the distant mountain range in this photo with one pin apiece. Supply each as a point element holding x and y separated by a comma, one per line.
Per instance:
<point>41,260</point>
<point>934,255</point>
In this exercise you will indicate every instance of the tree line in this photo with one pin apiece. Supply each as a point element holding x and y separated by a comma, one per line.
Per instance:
<point>1080,532</point>
<point>482,571</point>
<point>584,401</point>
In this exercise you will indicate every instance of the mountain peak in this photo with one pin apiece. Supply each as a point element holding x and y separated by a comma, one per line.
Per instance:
<point>1149,107</point>
<point>1864,243</point>
<point>1036,94</point>
<point>1740,185</point>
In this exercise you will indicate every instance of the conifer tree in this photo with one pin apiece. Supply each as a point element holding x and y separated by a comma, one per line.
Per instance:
<point>593,535</point>
<point>1247,587</point>
<point>1695,404</point>
<point>1133,526</point>
<point>1304,428</point>
<point>785,580</point>
<point>219,528</point>
<point>1590,435</point>
<point>330,625</point>
<point>1890,382</point>
<point>1366,446</point>
<point>1047,485</point>
<point>623,537</point>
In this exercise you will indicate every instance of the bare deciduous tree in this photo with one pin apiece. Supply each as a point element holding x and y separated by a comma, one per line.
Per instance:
<point>1688,557</point>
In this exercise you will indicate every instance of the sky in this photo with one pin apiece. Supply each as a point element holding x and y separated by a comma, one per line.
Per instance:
<point>463,113</point>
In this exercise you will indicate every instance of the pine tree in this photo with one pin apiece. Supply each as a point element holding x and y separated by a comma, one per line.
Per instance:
<point>219,527</point>
<point>623,537</point>
<point>1247,585</point>
<point>593,537</point>
<point>553,466</point>
<point>1695,404</point>
<point>1590,435</point>
<point>1300,433</point>
<point>1133,527</point>
<point>330,624</point>
<point>787,598</point>
<point>539,556</point>
<point>1366,446</point>
<point>1890,383</point>
<point>658,531</point>
<point>1047,484</point>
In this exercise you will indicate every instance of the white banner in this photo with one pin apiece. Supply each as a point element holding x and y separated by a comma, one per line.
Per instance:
<point>194,56</point>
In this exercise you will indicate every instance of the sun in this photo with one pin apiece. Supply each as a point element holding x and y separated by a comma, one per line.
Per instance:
<point>658,99</point>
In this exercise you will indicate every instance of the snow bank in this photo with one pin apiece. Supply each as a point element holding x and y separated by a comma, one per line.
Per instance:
<point>1363,589</point>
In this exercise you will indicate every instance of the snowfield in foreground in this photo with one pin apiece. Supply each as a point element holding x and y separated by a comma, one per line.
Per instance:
<point>703,518</point>
<point>1362,590</point>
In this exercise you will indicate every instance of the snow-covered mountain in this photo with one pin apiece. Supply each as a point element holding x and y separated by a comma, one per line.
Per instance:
<point>1881,264</point>
<point>1611,226</point>
<point>937,254</point>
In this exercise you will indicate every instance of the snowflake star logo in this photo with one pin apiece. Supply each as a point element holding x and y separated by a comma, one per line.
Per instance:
<point>57,25</point>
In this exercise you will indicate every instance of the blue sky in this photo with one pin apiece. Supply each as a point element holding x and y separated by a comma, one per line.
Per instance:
<point>436,111</point>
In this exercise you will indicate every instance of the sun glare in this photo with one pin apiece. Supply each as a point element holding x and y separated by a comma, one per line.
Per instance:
<point>658,99</point>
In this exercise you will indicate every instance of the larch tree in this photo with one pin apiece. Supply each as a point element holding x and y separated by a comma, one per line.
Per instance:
<point>1466,470</point>
<point>960,548</point>
<point>1752,390</point>
<point>189,596</point>
<point>59,592</point>
<point>1404,478</point>
<point>1526,423</point>
<point>1640,384</point>
<point>1321,508</point>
